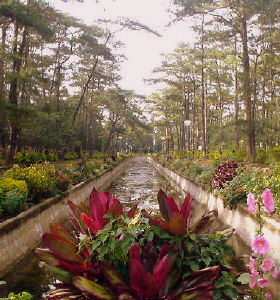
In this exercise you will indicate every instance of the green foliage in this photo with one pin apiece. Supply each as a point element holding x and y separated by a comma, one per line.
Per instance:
<point>107,246</point>
<point>20,296</point>
<point>226,287</point>
<point>99,155</point>
<point>262,156</point>
<point>71,156</point>
<point>34,157</point>
<point>275,153</point>
<point>13,195</point>
<point>40,179</point>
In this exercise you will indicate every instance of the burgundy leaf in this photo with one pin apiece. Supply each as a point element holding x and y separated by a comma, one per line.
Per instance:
<point>62,248</point>
<point>163,205</point>
<point>132,211</point>
<point>63,232</point>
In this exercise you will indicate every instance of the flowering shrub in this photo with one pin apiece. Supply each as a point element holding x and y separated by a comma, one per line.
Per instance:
<point>13,195</point>
<point>262,268</point>
<point>224,173</point>
<point>40,179</point>
<point>113,254</point>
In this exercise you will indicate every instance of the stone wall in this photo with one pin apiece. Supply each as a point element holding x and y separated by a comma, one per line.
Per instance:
<point>19,235</point>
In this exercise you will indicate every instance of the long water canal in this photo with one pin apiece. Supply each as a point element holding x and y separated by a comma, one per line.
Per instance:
<point>138,184</point>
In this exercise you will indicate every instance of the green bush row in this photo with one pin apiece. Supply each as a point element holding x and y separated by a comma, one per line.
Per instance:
<point>22,186</point>
<point>28,157</point>
<point>13,195</point>
<point>266,156</point>
<point>20,296</point>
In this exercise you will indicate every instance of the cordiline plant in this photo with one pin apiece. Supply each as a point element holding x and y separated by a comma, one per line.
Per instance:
<point>152,269</point>
<point>180,221</point>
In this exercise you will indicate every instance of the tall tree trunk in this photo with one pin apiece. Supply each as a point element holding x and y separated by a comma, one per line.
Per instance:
<point>236,103</point>
<point>203,105</point>
<point>3,113</point>
<point>247,90</point>
<point>13,93</point>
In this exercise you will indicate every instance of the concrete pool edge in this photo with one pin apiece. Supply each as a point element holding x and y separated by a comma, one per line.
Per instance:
<point>22,233</point>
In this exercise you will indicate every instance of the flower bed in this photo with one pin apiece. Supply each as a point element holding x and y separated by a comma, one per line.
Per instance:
<point>258,231</point>
<point>232,182</point>
<point>45,180</point>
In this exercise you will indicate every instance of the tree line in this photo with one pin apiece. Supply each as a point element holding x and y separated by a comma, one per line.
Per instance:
<point>222,91</point>
<point>59,83</point>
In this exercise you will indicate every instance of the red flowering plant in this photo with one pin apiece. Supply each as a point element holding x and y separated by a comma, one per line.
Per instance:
<point>262,268</point>
<point>117,254</point>
<point>224,173</point>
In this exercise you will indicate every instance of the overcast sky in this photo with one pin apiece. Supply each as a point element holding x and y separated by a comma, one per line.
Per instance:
<point>141,49</point>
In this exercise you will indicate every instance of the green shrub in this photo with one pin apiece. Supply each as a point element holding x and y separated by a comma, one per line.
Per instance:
<point>21,296</point>
<point>275,153</point>
<point>195,171</point>
<point>99,155</point>
<point>52,156</point>
<point>71,156</point>
<point>205,177</point>
<point>235,191</point>
<point>28,157</point>
<point>13,195</point>
<point>262,155</point>
<point>40,179</point>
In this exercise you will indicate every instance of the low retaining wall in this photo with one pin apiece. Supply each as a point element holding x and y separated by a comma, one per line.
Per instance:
<point>21,234</point>
<point>244,224</point>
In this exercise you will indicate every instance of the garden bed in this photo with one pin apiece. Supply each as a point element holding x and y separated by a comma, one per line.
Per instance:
<point>232,187</point>
<point>20,234</point>
<point>23,187</point>
<point>240,219</point>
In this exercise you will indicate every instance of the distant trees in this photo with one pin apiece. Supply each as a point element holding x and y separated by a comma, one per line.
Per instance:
<point>59,83</point>
<point>231,84</point>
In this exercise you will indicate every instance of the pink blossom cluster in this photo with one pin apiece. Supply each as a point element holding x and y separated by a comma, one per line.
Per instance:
<point>261,268</point>
<point>268,202</point>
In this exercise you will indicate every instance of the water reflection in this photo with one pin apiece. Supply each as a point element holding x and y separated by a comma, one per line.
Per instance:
<point>140,184</point>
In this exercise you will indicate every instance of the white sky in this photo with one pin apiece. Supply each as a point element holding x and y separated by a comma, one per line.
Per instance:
<point>141,49</point>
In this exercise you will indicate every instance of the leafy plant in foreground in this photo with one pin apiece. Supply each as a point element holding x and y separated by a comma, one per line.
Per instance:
<point>117,255</point>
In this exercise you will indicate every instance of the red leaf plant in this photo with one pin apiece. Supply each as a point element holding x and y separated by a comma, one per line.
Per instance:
<point>100,204</point>
<point>175,220</point>
<point>82,279</point>
<point>151,276</point>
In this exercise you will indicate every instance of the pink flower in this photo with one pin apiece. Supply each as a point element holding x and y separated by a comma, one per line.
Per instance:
<point>253,283</point>
<point>267,265</point>
<point>260,245</point>
<point>251,203</point>
<point>276,273</point>
<point>253,270</point>
<point>263,282</point>
<point>268,201</point>
<point>252,263</point>
<point>255,274</point>
<point>269,296</point>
